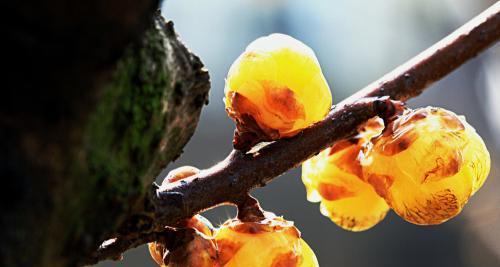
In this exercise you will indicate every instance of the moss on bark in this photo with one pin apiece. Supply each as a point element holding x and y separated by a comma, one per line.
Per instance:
<point>77,179</point>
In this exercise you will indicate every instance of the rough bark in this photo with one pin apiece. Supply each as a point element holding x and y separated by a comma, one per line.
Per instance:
<point>99,97</point>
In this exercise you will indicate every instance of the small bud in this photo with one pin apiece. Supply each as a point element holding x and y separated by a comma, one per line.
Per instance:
<point>275,89</point>
<point>193,246</point>
<point>179,174</point>
<point>335,178</point>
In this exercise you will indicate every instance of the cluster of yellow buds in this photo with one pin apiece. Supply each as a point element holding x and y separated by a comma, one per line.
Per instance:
<point>425,165</point>
<point>268,241</point>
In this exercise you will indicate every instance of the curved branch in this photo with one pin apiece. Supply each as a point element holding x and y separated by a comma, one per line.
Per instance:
<point>241,172</point>
<point>231,179</point>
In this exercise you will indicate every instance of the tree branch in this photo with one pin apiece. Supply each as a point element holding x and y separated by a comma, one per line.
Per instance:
<point>230,180</point>
<point>240,172</point>
<point>114,249</point>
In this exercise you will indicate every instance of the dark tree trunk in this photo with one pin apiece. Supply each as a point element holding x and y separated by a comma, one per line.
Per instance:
<point>100,95</point>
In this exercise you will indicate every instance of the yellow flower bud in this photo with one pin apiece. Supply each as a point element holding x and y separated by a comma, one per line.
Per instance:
<point>270,242</point>
<point>427,165</point>
<point>334,177</point>
<point>276,88</point>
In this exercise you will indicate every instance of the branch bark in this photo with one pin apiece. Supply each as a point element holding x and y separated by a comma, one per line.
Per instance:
<point>231,179</point>
<point>114,250</point>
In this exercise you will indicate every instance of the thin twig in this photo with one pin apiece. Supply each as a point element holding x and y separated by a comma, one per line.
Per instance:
<point>116,247</point>
<point>231,179</point>
<point>249,209</point>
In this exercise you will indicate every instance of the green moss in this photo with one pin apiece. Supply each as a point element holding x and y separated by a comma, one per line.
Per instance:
<point>128,124</point>
<point>143,119</point>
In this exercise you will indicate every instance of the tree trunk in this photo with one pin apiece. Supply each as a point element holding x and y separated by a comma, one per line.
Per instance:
<point>99,97</point>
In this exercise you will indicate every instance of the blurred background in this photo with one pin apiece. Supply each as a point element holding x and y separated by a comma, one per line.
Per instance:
<point>356,42</point>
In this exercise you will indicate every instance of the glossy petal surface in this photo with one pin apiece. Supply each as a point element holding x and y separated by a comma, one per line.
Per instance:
<point>334,178</point>
<point>276,88</point>
<point>427,165</point>
<point>273,242</point>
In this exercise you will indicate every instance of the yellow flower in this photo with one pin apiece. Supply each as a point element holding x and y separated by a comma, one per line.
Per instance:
<point>276,88</point>
<point>334,177</point>
<point>427,165</point>
<point>271,242</point>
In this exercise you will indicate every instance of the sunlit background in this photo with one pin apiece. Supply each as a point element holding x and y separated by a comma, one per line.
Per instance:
<point>356,42</point>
